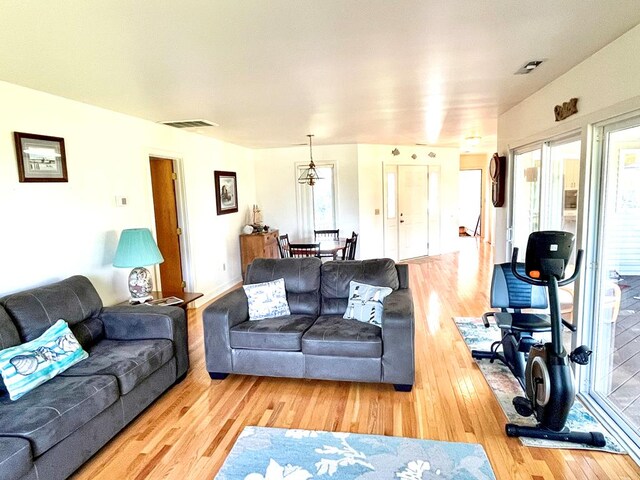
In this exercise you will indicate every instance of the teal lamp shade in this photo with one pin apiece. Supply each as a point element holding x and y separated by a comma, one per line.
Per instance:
<point>137,248</point>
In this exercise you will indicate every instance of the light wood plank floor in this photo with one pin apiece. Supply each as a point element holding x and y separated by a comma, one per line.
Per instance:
<point>188,432</point>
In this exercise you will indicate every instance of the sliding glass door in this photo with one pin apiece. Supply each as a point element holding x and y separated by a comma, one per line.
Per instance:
<point>614,251</point>
<point>545,189</point>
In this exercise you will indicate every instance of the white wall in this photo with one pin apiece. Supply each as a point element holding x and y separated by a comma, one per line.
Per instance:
<point>371,159</point>
<point>54,230</point>
<point>275,172</point>
<point>607,84</point>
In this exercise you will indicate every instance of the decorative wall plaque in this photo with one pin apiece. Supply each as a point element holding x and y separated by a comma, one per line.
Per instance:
<point>566,109</point>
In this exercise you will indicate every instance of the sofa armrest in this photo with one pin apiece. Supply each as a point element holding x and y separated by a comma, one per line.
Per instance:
<point>16,459</point>
<point>229,310</point>
<point>146,322</point>
<point>398,333</point>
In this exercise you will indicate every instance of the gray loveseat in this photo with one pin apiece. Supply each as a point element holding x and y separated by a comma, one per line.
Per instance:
<point>315,341</point>
<point>135,354</point>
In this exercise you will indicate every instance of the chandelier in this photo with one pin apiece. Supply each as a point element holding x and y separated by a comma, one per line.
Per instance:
<point>309,175</point>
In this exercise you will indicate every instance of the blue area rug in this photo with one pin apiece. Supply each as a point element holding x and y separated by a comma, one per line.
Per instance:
<point>280,454</point>
<point>505,387</point>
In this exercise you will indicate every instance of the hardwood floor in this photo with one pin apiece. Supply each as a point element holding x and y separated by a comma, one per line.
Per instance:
<point>189,431</point>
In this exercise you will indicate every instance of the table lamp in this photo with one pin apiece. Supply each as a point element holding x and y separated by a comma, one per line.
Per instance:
<point>138,249</point>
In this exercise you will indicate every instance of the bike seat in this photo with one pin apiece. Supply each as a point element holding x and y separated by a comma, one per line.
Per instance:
<point>523,322</point>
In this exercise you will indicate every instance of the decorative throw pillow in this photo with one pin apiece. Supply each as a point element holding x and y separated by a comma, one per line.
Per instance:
<point>267,300</point>
<point>365,302</point>
<point>26,366</point>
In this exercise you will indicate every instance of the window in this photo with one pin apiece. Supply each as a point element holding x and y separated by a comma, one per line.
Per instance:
<point>317,204</point>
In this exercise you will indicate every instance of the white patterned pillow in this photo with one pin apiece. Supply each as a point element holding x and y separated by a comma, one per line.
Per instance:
<point>365,302</point>
<point>267,300</point>
<point>26,366</point>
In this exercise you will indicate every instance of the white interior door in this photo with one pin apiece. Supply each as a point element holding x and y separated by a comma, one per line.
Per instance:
<point>413,211</point>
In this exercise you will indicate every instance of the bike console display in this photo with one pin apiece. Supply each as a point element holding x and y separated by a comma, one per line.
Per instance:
<point>548,253</point>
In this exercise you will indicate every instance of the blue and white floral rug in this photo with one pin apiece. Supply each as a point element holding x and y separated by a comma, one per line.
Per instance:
<point>505,387</point>
<point>279,454</point>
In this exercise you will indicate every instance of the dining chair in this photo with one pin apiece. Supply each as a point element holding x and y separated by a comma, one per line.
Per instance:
<point>304,249</point>
<point>284,246</point>
<point>346,251</point>
<point>352,247</point>
<point>326,234</point>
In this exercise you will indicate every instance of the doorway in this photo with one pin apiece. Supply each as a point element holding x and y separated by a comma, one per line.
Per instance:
<point>411,210</point>
<point>168,231</point>
<point>470,202</point>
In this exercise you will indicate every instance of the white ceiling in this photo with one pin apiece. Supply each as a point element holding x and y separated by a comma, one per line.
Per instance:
<point>271,71</point>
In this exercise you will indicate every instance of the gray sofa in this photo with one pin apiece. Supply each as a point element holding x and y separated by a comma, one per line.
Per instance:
<point>315,341</point>
<point>135,354</point>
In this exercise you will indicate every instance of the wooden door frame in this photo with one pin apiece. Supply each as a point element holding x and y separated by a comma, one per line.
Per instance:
<point>181,210</point>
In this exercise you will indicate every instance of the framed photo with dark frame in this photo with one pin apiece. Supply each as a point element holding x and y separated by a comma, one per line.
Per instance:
<point>40,158</point>
<point>226,192</point>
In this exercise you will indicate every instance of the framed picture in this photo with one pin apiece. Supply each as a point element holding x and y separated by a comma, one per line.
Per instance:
<point>226,192</point>
<point>40,158</point>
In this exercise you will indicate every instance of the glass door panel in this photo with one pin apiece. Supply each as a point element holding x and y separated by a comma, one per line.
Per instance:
<point>615,374</point>
<point>526,197</point>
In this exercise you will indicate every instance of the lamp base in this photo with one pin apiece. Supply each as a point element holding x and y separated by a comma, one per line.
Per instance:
<point>140,285</point>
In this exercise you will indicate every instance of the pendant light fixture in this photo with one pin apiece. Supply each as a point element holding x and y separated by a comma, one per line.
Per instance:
<point>309,175</point>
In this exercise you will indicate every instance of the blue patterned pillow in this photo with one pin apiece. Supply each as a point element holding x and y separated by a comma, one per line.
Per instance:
<point>365,302</point>
<point>267,300</point>
<point>26,366</point>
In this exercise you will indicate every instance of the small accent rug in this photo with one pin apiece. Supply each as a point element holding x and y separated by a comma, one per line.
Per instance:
<point>505,387</point>
<point>262,453</point>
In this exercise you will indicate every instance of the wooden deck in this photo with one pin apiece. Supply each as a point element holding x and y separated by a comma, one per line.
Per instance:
<point>188,432</point>
<point>625,361</point>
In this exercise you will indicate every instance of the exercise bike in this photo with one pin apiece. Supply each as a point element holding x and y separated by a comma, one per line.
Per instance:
<point>548,379</point>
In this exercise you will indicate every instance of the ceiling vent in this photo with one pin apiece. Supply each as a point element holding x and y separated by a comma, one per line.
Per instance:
<point>528,67</point>
<point>190,124</point>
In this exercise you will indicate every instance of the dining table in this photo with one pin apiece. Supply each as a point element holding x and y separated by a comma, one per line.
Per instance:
<point>327,246</point>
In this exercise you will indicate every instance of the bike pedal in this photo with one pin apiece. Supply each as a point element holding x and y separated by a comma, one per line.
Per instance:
<point>523,406</point>
<point>581,355</point>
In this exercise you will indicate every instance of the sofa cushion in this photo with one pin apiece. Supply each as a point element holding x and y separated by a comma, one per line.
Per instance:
<point>15,457</point>
<point>281,334</point>
<point>24,367</point>
<point>33,311</point>
<point>129,361</point>
<point>88,332</point>
<point>336,277</point>
<point>8,336</point>
<point>336,336</point>
<point>267,300</point>
<point>301,280</point>
<point>55,409</point>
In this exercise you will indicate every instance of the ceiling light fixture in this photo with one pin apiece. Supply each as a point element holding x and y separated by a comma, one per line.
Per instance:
<point>309,175</point>
<point>528,67</point>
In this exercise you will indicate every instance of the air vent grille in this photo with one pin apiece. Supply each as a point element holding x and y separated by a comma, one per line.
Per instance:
<point>190,123</point>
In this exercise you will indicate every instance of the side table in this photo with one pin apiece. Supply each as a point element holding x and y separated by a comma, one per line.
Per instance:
<point>186,297</point>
